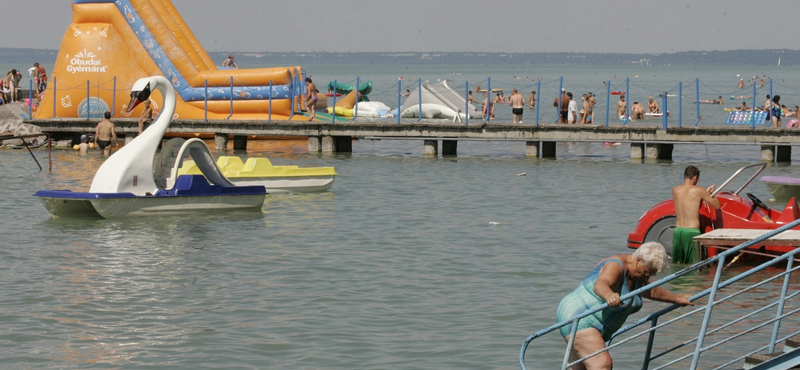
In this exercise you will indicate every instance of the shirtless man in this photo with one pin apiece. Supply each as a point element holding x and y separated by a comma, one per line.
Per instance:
<point>104,133</point>
<point>687,199</point>
<point>517,103</point>
<point>621,107</point>
<point>563,108</point>
<point>311,98</point>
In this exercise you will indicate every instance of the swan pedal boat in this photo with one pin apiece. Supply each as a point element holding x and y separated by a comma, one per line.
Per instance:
<point>260,171</point>
<point>124,185</point>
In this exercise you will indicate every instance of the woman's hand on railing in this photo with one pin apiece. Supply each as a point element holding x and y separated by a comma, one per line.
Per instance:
<point>683,300</point>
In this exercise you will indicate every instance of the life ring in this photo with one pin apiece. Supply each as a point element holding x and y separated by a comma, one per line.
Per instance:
<point>617,93</point>
<point>331,94</point>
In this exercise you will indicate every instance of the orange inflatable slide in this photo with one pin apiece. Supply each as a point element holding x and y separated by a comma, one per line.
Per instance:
<point>112,43</point>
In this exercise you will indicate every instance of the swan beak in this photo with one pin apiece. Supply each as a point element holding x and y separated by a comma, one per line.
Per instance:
<point>137,97</point>
<point>133,103</point>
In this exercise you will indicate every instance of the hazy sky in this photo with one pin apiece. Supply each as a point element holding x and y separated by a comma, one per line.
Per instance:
<point>620,26</point>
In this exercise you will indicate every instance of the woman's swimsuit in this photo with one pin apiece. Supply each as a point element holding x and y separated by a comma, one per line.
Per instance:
<point>583,298</point>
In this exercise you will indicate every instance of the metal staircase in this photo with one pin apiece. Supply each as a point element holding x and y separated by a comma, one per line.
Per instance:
<point>742,315</point>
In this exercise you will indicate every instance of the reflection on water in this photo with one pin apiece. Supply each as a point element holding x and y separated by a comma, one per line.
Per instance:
<point>408,262</point>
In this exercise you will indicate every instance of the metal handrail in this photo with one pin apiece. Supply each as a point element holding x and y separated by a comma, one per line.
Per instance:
<point>736,174</point>
<point>711,292</point>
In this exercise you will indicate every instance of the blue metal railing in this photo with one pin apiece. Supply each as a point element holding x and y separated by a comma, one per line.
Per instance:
<point>64,95</point>
<point>735,325</point>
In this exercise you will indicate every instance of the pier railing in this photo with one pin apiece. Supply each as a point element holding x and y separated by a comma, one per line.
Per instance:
<point>745,314</point>
<point>695,97</point>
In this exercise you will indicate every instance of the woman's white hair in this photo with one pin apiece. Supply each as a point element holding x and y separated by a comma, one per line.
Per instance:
<point>653,254</point>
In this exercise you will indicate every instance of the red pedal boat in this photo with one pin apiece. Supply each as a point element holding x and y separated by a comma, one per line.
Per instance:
<point>735,212</point>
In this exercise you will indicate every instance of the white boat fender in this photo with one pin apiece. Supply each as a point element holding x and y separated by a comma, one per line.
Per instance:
<point>494,223</point>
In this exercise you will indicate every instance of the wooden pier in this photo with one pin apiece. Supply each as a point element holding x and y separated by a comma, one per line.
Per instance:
<point>646,140</point>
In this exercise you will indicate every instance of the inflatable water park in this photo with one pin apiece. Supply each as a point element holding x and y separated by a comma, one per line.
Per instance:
<point>110,44</point>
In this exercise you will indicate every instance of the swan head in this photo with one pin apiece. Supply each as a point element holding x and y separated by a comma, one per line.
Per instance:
<point>139,93</point>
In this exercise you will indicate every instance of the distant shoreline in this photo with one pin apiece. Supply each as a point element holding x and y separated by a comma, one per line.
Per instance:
<point>760,58</point>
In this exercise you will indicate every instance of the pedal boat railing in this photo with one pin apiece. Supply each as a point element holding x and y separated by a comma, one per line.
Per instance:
<point>775,308</point>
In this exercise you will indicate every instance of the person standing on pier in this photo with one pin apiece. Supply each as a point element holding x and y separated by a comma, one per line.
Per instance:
<point>40,78</point>
<point>517,103</point>
<point>311,98</point>
<point>687,199</point>
<point>572,110</point>
<point>532,100</point>
<point>562,103</point>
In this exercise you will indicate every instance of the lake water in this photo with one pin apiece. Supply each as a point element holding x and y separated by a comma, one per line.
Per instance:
<point>398,266</point>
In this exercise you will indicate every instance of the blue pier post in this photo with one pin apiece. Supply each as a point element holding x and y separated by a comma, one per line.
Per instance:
<point>419,88</point>
<point>697,87</point>
<point>489,99</point>
<point>466,106</point>
<point>297,87</point>
<point>205,102</point>
<point>769,109</point>
<point>114,98</point>
<point>608,101</point>
<point>753,116</point>
<point>560,94</point>
<point>88,98</point>
<point>538,101</point>
<point>269,117</point>
<point>231,115</point>
<point>680,104</point>
<point>30,100</point>
<point>664,111</point>
<point>358,96</point>
<point>627,100</point>
<point>55,88</point>
<point>333,108</point>
<point>399,97</point>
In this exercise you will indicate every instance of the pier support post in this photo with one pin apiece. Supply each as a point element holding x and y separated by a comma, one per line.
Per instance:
<point>548,149</point>
<point>328,145</point>
<point>767,153</point>
<point>314,144</point>
<point>450,147</point>
<point>220,142</point>
<point>637,150</point>
<point>240,143</point>
<point>532,148</point>
<point>431,148</point>
<point>783,154</point>
<point>660,151</point>
<point>337,144</point>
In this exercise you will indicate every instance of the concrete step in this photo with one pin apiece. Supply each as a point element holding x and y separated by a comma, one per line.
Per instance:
<point>753,360</point>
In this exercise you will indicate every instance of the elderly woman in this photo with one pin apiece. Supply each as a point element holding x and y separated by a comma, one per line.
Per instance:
<point>611,278</point>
